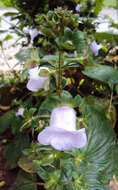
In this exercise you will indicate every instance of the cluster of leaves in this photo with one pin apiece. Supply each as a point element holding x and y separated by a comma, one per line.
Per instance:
<point>88,168</point>
<point>63,32</point>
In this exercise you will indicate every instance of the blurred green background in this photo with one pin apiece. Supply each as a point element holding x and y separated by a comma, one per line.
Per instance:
<point>110,3</point>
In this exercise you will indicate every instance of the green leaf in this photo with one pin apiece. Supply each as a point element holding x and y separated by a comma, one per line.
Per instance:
<point>67,34</point>
<point>40,170</point>
<point>8,37</point>
<point>44,73</point>
<point>14,149</point>
<point>48,32</point>
<point>102,73</point>
<point>68,45</point>
<point>116,163</point>
<point>98,165</point>
<point>54,101</point>
<point>10,14</point>
<point>77,39</point>
<point>52,59</point>
<point>5,121</point>
<point>49,104</point>
<point>98,6</point>
<point>59,41</point>
<point>16,124</point>
<point>24,55</point>
<point>2,31</point>
<point>25,181</point>
<point>26,163</point>
<point>106,36</point>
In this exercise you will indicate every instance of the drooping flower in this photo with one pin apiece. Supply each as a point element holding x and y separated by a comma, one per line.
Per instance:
<point>95,47</point>
<point>74,54</point>
<point>78,6</point>
<point>36,82</point>
<point>20,112</point>
<point>62,134</point>
<point>33,33</point>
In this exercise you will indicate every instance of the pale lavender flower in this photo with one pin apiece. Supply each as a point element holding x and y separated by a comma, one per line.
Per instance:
<point>33,33</point>
<point>78,6</point>
<point>62,134</point>
<point>74,54</point>
<point>20,112</point>
<point>95,47</point>
<point>36,82</point>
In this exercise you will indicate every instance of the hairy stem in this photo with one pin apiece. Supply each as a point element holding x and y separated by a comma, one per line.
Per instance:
<point>59,82</point>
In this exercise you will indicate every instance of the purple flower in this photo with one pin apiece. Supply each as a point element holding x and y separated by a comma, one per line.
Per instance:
<point>62,134</point>
<point>20,112</point>
<point>36,82</point>
<point>78,6</point>
<point>95,47</point>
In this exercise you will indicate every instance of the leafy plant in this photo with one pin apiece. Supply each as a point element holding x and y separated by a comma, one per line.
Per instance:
<point>76,77</point>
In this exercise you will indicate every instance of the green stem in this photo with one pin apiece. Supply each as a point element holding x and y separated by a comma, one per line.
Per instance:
<point>59,82</point>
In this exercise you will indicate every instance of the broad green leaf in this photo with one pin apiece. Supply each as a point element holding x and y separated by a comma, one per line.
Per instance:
<point>106,36</point>
<point>5,121</point>
<point>40,170</point>
<point>116,163</point>
<point>49,104</point>
<point>67,34</point>
<point>25,181</point>
<point>16,124</point>
<point>102,73</point>
<point>24,55</point>
<point>99,163</point>
<point>98,6</point>
<point>26,163</point>
<point>73,61</point>
<point>54,101</point>
<point>48,32</point>
<point>14,149</point>
<point>78,40</point>
<point>10,14</point>
<point>51,59</point>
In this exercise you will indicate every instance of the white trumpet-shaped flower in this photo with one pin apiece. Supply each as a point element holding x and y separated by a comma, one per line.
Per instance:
<point>95,47</point>
<point>62,134</point>
<point>36,82</point>
<point>33,33</point>
<point>20,112</point>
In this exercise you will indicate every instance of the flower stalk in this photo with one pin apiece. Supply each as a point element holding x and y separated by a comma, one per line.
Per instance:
<point>60,71</point>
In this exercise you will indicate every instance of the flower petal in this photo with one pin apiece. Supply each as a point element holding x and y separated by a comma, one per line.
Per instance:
<point>95,47</point>
<point>35,84</point>
<point>62,139</point>
<point>33,33</point>
<point>34,73</point>
<point>63,117</point>
<point>20,112</point>
<point>77,8</point>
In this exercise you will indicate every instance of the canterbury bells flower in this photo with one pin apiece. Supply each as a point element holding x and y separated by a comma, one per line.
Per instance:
<point>20,112</point>
<point>36,82</point>
<point>62,134</point>
<point>95,47</point>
